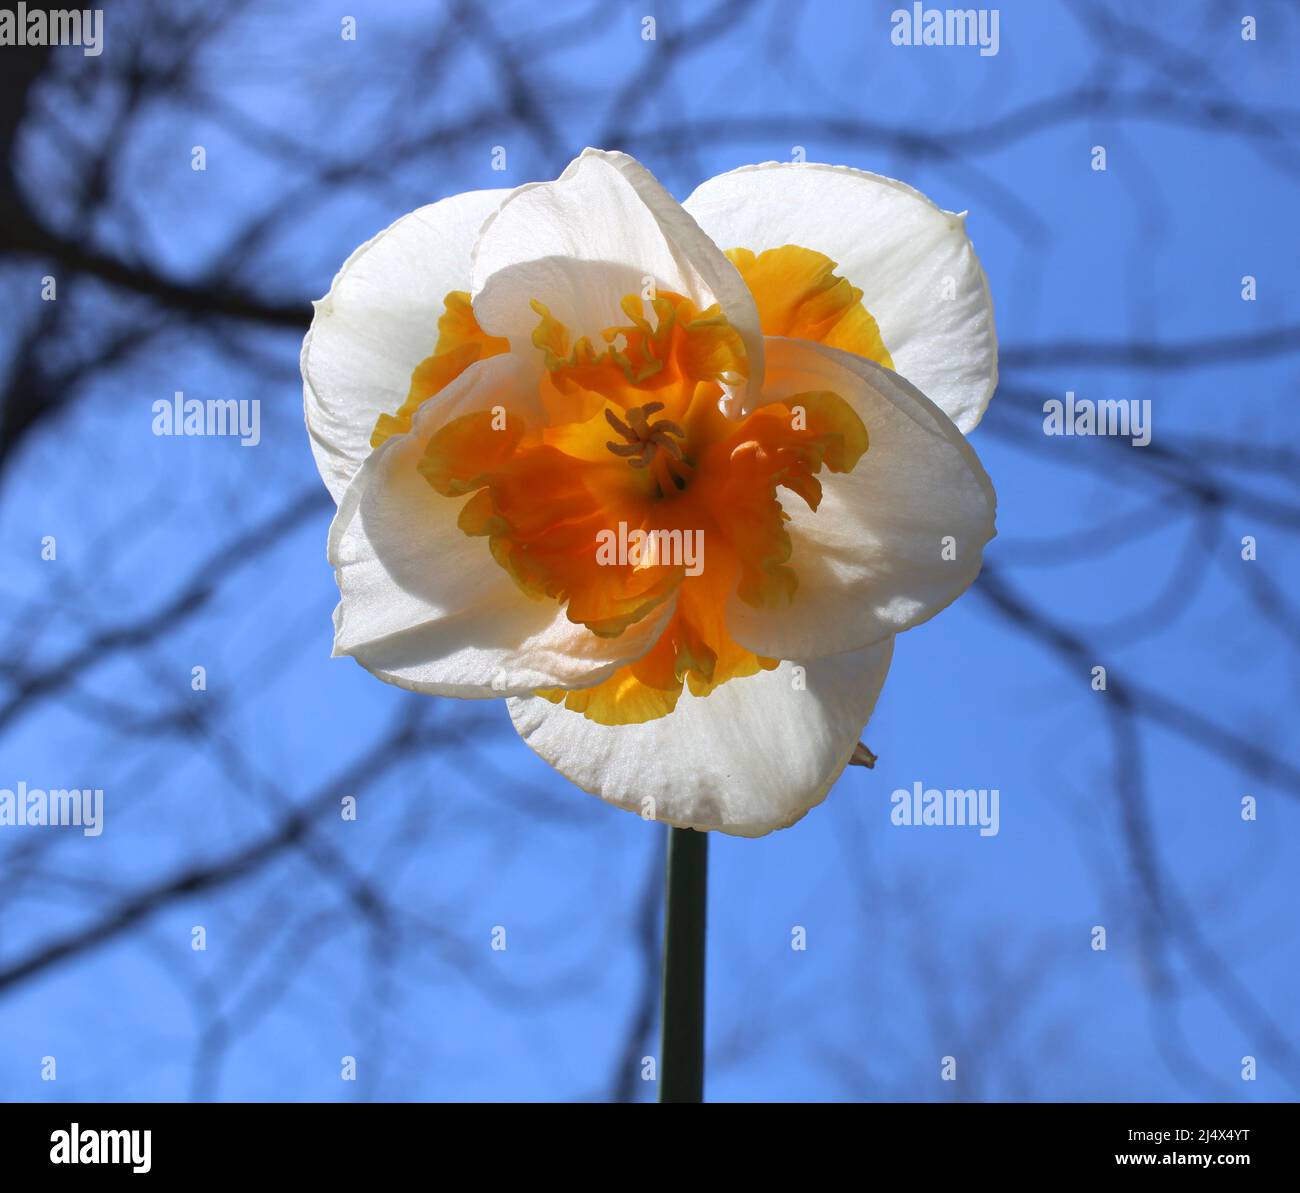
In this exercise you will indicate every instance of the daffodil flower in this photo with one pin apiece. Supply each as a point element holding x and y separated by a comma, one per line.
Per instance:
<point>670,477</point>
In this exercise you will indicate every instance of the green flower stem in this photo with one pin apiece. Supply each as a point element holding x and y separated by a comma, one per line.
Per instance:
<point>681,1063</point>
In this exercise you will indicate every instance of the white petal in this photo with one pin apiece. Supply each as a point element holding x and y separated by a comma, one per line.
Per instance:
<point>378,321</point>
<point>905,254</point>
<point>425,606</point>
<point>753,756</point>
<point>871,560</point>
<point>581,243</point>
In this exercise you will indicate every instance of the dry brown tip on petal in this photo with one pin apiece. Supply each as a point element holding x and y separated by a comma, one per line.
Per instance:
<point>862,756</point>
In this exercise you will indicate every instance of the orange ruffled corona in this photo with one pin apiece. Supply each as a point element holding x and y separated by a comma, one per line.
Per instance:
<point>633,437</point>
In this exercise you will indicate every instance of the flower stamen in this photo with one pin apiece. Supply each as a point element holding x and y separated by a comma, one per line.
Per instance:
<point>644,438</point>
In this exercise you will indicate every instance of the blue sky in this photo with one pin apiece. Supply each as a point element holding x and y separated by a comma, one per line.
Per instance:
<point>922,942</point>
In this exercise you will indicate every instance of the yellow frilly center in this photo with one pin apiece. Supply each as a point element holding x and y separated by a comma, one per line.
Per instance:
<point>632,445</point>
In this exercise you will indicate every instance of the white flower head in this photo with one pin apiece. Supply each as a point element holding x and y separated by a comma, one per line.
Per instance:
<point>669,477</point>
